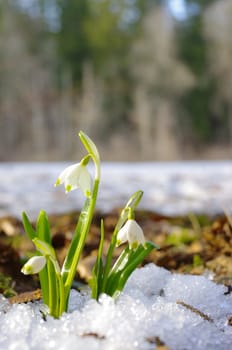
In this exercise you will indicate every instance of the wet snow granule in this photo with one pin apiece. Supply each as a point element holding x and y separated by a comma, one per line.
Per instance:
<point>182,312</point>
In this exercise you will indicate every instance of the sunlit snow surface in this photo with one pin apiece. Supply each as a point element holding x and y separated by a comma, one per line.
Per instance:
<point>149,309</point>
<point>156,306</point>
<point>169,188</point>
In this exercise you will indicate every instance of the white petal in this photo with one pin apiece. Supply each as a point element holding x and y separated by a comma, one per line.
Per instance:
<point>135,233</point>
<point>73,177</point>
<point>122,236</point>
<point>67,172</point>
<point>85,181</point>
<point>34,265</point>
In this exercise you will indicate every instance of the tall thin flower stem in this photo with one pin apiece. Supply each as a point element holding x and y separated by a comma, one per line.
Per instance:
<point>127,211</point>
<point>80,245</point>
<point>84,222</point>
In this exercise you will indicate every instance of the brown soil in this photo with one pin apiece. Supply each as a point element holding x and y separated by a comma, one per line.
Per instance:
<point>193,244</point>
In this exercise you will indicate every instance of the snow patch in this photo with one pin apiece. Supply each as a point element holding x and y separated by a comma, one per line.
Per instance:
<point>182,311</point>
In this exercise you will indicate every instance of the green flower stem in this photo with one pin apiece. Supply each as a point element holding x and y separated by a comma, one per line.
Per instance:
<point>82,238</point>
<point>69,272</point>
<point>84,222</point>
<point>109,256</point>
<point>56,283</point>
<point>73,245</point>
<point>127,211</point>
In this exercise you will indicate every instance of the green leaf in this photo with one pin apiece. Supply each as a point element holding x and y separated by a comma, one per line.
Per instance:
<point>131,205</point>
<point>53,290</point>
<point>134,200</point>
<point>96,280</point>
<point>128,261</point>
<point>75,240</point>
<point>115,272</point>
<point>43,227</point>
<point>90,146</point>
<point>135,259</point>
<point>44,248</point>
<point>43,278</point>
<point>28,227</point>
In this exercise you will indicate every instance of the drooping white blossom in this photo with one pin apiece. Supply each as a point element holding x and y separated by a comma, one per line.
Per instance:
<point>132,233</point>
<point>76,176</point>
<point>34,265</point>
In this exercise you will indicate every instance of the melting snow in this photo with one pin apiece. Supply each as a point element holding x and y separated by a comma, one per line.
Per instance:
<point>182,311</point>
<point>170,188</point>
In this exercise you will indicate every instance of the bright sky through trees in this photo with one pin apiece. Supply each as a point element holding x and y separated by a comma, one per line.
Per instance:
<point>178,8</point>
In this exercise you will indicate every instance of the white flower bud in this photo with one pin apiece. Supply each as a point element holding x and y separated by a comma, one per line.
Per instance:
<point>34,265</point>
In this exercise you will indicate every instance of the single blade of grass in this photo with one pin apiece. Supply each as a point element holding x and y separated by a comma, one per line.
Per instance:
<point>28,227</point>
<point>96,280</point>
<point>43,227</point>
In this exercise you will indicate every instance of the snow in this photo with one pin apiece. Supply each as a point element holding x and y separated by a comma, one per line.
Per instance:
<point>170,188</point>
<point>184,312</point>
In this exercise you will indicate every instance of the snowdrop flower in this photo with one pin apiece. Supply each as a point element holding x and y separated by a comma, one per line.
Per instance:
<point>34,265</point>
<point>76,176</point>
<point>132,233</point>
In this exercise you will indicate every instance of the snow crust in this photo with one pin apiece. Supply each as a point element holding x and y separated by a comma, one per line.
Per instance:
<point>182,311</point>
<point>170,188</point>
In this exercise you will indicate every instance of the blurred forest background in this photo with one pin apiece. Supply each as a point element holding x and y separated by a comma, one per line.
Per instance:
<point>146,80</point>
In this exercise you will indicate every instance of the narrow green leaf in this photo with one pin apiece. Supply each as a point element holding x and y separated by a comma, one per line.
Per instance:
<point>96,280</point>
<point>133,262</point>
<point>43,227</point>
<point>28,227</point>
<point>134,200</point>
<point>74,243</point>
<point>53,290</point>
<point>44,248</point>
<point>128,261</point>
<point>122,260</point>
<point>43,278</point>
<point>100,264</point>
<point>116,271</point>
<point>63,304</point>
<point>89,145</point>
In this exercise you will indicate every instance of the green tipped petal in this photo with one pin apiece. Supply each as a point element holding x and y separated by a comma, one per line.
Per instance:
<point>76,176</point>
<point>34,265</point>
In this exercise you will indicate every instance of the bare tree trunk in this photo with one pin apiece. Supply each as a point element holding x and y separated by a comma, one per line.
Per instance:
<point>165,141</point>
<point>142,115</point>
<point>160,79</point>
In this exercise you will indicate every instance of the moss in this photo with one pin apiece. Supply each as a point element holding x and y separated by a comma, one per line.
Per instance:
<point>6,286</point>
